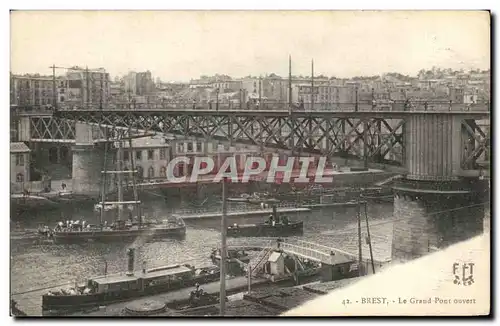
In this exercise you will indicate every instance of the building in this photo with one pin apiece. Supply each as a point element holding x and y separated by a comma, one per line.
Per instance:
<point>192,148</point>
<point>456,94</point>
<point>145,83</point>
<point>228,85</point>
<point>139,83</point>
<point>19,164</point>
<point>87,87</point>
<point>272,88</point>
<point>151,157</point>
<point>117,91</point>
<point>323,94</point>
<point>32,90</point>
<point>130,83</point>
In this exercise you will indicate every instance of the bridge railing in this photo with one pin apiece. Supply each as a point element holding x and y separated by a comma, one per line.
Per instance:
<point>302,248</point>
<point>308,252</point>
<point>365,106</point>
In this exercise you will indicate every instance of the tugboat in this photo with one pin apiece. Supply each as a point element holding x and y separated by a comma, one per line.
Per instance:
<point>122,287</point>
<point>276,226</point>
<point>119,230</point>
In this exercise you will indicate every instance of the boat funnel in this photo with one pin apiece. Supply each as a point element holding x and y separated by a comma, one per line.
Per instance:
<point>131,259</point>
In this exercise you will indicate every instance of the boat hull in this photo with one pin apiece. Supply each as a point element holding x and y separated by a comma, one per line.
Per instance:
<point>120,235</point>
<point>266,230</point>
<point>60,304</point>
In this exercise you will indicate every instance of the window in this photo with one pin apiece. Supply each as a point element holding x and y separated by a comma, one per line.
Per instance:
<point>20,177</point>
<point>20,159</point>
<point>138,155</point>
<point>126,155</point>
<point>150,154</point>
<point>61,99</point>
<point>198,146</point>
<point>190,147</point>
<point>163,154</point>
<point>151,172</point>
<point>180,148</point>
<point>163,172</point>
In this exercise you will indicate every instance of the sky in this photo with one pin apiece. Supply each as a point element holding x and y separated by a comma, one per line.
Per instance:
<point>180,45</point>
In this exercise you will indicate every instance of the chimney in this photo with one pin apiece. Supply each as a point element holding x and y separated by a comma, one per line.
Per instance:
<point>131,257</point>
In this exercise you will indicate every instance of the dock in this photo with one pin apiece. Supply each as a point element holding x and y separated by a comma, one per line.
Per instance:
<point>248,213</point>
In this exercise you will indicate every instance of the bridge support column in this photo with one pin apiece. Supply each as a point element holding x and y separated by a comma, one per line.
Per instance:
<point>24,129</point>
<point>88,162</point>
<point>427,220</point>
<point>434,206</point>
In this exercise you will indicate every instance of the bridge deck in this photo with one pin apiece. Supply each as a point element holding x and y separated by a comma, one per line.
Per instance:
<point>276,113</point>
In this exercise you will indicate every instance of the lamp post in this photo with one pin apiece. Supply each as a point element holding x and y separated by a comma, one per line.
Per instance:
<point>241,97</point>
<point>356,105</point>
<point>217,99</point>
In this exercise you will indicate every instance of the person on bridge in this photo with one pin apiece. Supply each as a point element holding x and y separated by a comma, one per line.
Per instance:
<point>210,104</point>
<point>194,104</point>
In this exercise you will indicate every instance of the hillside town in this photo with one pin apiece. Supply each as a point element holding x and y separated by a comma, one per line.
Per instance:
<point>94,87</point>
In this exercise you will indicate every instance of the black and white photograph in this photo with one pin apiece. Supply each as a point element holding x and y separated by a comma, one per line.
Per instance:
<point>249,163</point>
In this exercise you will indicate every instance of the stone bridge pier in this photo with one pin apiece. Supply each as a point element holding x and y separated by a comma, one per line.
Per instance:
<point>438,203</point>
<point>88,162</point>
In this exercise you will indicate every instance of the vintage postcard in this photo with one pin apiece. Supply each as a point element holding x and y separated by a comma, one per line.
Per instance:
<point>250,163</point>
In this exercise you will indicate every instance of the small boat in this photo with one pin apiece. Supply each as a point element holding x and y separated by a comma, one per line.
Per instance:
<point>197,298</point>
<point>74,232</point>
<point>237,260</point>
<point>122,287</point>
<point>266,229</point>
<point>276,226</point>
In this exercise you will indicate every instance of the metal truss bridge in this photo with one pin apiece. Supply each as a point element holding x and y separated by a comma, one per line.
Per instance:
<point>371,133</point>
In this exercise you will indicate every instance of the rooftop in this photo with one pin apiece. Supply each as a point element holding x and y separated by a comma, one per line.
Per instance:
<point>19,148</point>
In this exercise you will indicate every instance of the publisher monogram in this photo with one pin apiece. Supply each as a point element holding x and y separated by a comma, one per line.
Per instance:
<point>464,273</point>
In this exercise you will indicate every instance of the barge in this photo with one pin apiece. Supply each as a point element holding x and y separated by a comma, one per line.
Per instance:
<point>109,289</point>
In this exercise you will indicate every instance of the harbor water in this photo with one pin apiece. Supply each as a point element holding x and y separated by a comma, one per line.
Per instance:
<point>35,266</point>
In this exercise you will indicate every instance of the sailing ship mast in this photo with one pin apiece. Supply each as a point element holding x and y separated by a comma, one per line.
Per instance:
<point>119,184</point>
<point>119,176</point>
